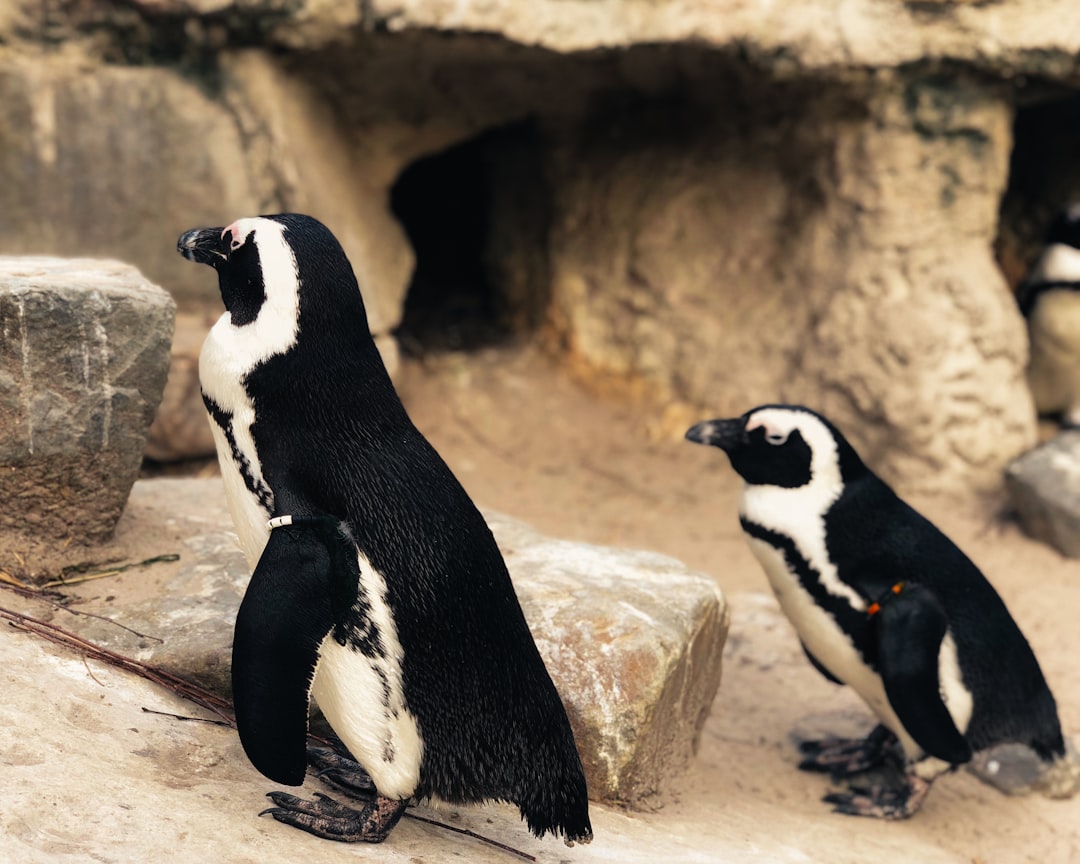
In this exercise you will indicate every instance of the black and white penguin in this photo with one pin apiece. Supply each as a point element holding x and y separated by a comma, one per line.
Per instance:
<point>885,603</point>
<point>1050,301</point>
<point>377,586</point>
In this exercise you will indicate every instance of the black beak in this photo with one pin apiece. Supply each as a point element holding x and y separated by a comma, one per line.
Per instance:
<point>204,246</point>
<point>725,434</point>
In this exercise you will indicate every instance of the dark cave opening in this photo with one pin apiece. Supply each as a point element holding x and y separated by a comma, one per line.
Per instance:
<point>1044,176</point>
<point>474,214</point>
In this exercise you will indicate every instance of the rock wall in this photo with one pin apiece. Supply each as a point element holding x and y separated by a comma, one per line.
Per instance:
<point>724,203</point>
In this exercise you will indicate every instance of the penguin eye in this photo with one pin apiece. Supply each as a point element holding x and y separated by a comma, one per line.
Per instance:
<point>776,438</point>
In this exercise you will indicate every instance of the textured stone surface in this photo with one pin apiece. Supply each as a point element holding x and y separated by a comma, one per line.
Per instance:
<point>93,772</point>
<point>82,364</point>
<point>858,273</point>
<point>633,640</point>
<point>108,160</point>
<point>180,429</point>
<point>1044,489</point>
<point>728,204</point>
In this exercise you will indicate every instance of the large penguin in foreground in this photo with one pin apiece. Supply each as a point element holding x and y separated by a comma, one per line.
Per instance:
<point>377,586</point>
<point>1050,301</point>
<point>884,602</point>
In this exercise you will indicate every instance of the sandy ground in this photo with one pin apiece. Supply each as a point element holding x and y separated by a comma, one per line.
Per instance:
<point>528,442</point>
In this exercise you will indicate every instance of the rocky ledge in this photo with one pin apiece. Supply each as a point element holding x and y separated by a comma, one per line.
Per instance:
<point>633,640</point>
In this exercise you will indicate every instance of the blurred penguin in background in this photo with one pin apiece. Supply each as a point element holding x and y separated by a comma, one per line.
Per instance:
<point>1050,301</point>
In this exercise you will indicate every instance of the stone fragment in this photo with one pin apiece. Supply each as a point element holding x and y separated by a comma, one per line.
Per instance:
<point>1044,488</point>
<point>180,430</point>
<point>82,364</point>
<point>1016,769</point>
<point>633,640</point>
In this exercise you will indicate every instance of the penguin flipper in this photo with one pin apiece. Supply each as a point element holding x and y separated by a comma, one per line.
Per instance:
<point>911,627</point>
<point>289,608</point>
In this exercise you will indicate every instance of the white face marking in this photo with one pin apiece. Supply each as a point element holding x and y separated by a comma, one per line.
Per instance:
<point>799,513</point>
<point>363,699</point>
<point>275,328</point>
<point>1058,263</point>
<point>230,353</point>
<point>774,433</point>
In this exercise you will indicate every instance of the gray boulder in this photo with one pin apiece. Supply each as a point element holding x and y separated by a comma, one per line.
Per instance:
<point>1044,488</point>
<point>83,360</point>
<point>633,640</point>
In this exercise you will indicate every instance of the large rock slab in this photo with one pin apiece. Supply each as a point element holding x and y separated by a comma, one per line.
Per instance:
<point>633,640</point>
<point>1044,488</point>
<point>100,765</point>
<point>82,364</point>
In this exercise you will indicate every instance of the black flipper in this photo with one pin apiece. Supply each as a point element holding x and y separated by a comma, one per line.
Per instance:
<point>297,593</point>
<point>910,629</point>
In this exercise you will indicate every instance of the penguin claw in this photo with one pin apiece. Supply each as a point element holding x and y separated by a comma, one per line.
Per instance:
<point>879,801</point>
<point>324,817</point>
<point>341,773</point>
<point>844,757</point>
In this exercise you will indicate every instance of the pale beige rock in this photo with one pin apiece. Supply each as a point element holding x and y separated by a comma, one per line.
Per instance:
<point>856,280</point>
<point>731,202</point>
<point>285,122</point>
<point>181,429</point>
<point>632,640</point>
<point>167,159</point>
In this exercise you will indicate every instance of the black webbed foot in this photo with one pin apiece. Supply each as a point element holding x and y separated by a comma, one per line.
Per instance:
<point>844,757</point>
<point>341,772</point>
<point>881,801</point>
<point>324,817</point>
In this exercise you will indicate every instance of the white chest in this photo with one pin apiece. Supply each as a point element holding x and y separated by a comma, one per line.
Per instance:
<point>820,633</point>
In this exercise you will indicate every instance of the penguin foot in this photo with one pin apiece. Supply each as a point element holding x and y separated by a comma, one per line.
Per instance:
<point>342,773</point>
<point>844,757</point>
<point>881,802</point>
<point>324,817</point>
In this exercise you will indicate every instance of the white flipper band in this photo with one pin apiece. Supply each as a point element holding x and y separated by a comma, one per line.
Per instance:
<point>279,521</point>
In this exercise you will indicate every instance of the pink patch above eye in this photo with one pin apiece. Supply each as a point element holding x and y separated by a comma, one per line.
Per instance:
<point>234,230</point>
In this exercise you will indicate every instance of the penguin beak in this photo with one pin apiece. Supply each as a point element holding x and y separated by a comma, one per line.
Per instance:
<point>725,434</point>
<point>204,246</point>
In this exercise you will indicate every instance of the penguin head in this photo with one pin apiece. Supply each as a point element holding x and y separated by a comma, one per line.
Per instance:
<point>1060,259</point>
<point>786,446</point>
<point>279,275</point>
<point>1066,227</point>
